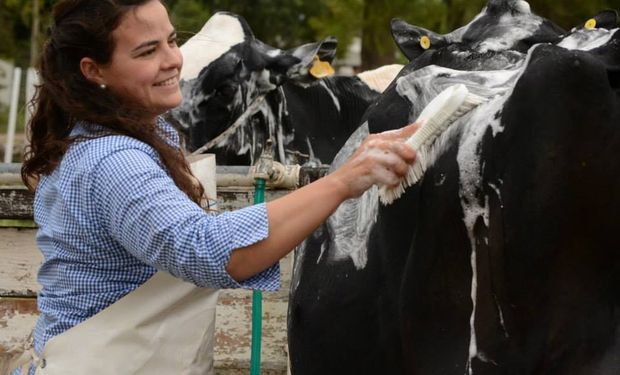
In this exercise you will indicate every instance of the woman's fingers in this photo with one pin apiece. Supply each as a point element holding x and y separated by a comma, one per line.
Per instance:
<point>395,146</point>
<point>404,151</point>
<point>402,133</point>
<point>382,159</point>
<point>408,130</point>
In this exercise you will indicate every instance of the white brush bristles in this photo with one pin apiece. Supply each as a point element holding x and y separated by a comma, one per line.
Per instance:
<point>442,111</point>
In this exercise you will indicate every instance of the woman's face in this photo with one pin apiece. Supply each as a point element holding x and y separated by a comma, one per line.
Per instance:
<point>146,62</point>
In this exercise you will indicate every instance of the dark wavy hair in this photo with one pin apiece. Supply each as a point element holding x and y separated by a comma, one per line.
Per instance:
<point>83,28</point>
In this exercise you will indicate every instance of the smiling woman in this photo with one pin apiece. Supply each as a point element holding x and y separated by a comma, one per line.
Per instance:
<point>129,252</point>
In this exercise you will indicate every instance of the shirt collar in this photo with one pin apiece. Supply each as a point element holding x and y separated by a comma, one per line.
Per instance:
<point>89,129</point>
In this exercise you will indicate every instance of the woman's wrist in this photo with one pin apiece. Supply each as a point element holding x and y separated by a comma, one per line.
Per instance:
<point>338,186</point>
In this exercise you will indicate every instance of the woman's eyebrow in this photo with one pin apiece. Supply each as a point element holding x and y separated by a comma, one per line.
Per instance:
<point>153,42</point>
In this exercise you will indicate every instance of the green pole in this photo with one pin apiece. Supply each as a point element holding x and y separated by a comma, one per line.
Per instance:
<point>257,299</point>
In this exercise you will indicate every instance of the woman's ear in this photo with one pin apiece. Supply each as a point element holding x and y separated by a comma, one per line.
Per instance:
<point>91,71</point>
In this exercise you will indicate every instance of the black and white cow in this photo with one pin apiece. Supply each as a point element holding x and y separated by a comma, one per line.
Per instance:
<point>238,92</point>
<point>504,258</point>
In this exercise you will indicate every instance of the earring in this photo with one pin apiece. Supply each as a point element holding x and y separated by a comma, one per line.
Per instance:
<point>102,86</point>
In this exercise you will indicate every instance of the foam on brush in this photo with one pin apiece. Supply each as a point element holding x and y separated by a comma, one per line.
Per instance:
<point>437,116</point>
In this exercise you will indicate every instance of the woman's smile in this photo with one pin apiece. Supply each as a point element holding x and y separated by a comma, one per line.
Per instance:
<point>173,81</point>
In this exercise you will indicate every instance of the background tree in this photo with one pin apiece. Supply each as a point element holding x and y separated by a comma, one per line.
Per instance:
<point>339,18</point>
<point>378,47</point>
<point>16,17</point>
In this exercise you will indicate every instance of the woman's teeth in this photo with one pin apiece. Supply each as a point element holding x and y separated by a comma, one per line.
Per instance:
<point>167,82</point>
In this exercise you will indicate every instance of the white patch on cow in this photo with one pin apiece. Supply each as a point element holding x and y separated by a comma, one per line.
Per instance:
<point>331,94</point>
<point>282,139</point>
<point>273,52</point>
<point>246,138</point>
<point>586,40</point>
<point>523,7</point>
<point>496,62</point>
<point>280,144</point>
<point>483,357</point>
<point>497,192</point>
<point>350,224</point>
<point>379,79</point>
<point>509,30</point>
<point>264,83</point>
<point>216,37</point>
<point>470,175</point>
<point>501,316</point>
<point>312,159</point>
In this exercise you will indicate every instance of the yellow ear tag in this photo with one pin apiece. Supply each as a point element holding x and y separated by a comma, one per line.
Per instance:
<point>321,69</point>
<point>591,24</point>
<point>425,42</point>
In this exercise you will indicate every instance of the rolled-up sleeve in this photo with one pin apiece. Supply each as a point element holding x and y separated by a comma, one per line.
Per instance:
<point>139,205</point>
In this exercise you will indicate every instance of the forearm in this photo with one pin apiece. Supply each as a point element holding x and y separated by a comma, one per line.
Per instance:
<point>291,219</point>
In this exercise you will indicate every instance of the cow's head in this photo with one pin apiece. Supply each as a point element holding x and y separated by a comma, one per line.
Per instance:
<point>227,73</point>
<point>593,33</point>
<point>503,28</point>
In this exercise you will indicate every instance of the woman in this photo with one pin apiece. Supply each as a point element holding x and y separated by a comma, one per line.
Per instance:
<point>116,202</point>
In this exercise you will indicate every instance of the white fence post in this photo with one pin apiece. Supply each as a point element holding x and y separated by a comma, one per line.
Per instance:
<point>10,134</point>
<point>32,80</point>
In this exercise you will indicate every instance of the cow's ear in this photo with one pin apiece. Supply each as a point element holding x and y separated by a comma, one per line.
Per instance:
<point>308,57</point>
<point>412,40</point>
<point>607,19</point>
<point>245,26</point>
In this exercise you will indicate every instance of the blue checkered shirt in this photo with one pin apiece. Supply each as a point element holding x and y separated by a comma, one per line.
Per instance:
<point>110,216</point>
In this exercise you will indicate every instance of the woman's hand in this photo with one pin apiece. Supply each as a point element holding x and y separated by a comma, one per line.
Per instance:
<point>382,159</point>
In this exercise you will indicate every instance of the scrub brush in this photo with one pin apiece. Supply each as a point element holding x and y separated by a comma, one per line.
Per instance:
<point>436,117</point>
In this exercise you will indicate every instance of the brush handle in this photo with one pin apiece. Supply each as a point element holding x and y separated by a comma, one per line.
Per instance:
<point>436,115</point>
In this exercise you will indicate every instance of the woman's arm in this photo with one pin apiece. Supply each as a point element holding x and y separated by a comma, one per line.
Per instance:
<point>381,159</point>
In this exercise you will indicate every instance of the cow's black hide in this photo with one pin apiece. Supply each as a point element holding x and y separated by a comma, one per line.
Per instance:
<point>503,259</point>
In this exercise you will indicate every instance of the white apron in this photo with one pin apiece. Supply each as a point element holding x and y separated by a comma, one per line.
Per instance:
<point>165,326</point>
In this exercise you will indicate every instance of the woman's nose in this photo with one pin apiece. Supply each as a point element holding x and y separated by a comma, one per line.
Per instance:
<point>173,58</point>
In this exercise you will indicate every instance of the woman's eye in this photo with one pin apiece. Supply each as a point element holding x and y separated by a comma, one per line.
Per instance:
<point>173,41</point>
<point>148,52</point>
